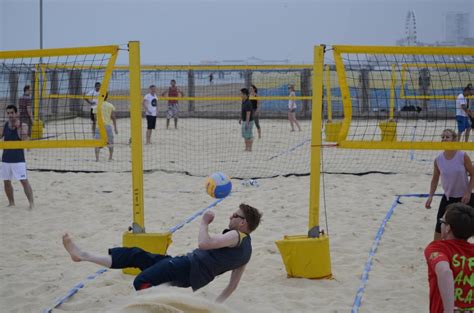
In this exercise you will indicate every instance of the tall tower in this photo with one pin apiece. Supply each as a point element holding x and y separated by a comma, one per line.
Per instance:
<point>456,27</point>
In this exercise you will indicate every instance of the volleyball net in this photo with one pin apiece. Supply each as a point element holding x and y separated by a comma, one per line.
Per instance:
<point>387,106</point>
<point>29,79</point>
<point>208,135</point>
<point>394,99</point>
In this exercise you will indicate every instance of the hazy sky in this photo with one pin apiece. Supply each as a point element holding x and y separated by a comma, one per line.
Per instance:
<point>186,31</point>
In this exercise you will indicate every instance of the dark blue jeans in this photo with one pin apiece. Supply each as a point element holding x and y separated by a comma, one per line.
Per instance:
<point>156,269</point>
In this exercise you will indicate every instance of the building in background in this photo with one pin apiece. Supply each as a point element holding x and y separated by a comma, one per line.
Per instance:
<point>456,31</point>
<point>456,28</point>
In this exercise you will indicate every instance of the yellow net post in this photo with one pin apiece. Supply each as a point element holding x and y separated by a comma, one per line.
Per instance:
<point>315,169</point>
<point>151,242</point>
<point>332,128</point>
<point>328,92</point>
<point>136,130</point>
<point>308,255</point>
<point>37,125</point>
<point>392,92</point>
<point>389,128</point>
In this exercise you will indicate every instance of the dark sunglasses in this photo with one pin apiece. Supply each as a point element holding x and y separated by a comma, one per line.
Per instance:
<point>235,215</point>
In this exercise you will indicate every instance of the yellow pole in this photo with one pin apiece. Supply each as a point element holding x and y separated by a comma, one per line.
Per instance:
<point>102,92</point>
<point>315,177</point>
<point>136,132</point>
<point>37,93</point>
<point>402,83</point>
<point>43,72</point>
<point>345,93</point>
<point>328,92</point>
<point>392,91</point>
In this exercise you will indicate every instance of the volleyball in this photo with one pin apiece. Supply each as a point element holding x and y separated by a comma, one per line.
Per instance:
<point>218,185</point>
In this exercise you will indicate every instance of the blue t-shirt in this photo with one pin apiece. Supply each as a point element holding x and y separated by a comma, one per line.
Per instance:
<point>247,107</point>
<point>12,155</point>
<point>207,264</point>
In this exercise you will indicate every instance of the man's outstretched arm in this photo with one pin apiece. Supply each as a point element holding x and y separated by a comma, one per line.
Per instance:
<point>233,283</point>
<point>207,242</point>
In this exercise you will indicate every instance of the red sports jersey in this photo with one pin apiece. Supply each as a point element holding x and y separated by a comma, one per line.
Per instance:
<point>460,256</point>
<point>173,92</point>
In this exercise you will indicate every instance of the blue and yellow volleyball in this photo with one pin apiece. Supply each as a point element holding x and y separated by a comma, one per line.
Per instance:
<point>218,185</point>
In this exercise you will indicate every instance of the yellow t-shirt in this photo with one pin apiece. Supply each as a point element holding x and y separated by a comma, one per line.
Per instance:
<point>107,109</point>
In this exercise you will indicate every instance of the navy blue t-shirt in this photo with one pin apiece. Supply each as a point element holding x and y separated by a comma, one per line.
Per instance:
<point>207,264</point>
<point>247,107</point>
<point>12,155</point>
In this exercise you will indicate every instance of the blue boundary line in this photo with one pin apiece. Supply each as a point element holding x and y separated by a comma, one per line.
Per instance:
<point>289,150</point>
<point>74,290</point>
<point>192,217</point>
<point>81,284</point>
<point>368,264</point>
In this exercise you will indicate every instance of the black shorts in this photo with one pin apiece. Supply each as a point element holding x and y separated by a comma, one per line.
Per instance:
<point>150,122</point>
<point>472,122</point>
<point>442,208</point>
<point>156,269</point>
<point>92,115</point>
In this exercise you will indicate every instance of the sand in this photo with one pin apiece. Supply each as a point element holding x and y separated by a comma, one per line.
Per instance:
<point>95,208</point>
<point>36,270</point>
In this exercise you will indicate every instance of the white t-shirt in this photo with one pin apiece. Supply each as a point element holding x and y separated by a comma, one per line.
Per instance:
<point>151,104</point>
<point>94,95</point>
<point>460,100</point>
<point>292,102</point>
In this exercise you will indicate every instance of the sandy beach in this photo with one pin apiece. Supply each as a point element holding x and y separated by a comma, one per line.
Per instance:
<point>95,208</point>
<point>36,270</point>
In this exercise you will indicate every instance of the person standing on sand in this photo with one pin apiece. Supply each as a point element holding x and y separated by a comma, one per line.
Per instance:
<point>292,109</point>
<point>24,106</point>
<point>92,98</point>
<point>173,109</point>
<point>13,160</point>
<point>109,119</point>
<point>256,109</point>
<point>462,114</point>
<point>150,103</point>
<point>453,167</point>
<point>246,120</point>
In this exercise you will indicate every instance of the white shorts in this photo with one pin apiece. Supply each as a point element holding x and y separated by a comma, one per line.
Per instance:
<point>13,171</point>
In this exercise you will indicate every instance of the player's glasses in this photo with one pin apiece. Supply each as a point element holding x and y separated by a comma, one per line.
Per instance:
<point>442,221</point>
<point>235,215</point>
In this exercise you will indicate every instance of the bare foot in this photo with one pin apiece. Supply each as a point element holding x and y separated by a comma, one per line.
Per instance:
<point>32,206</point>
<point>72,249</point>
<point>10,204</point>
